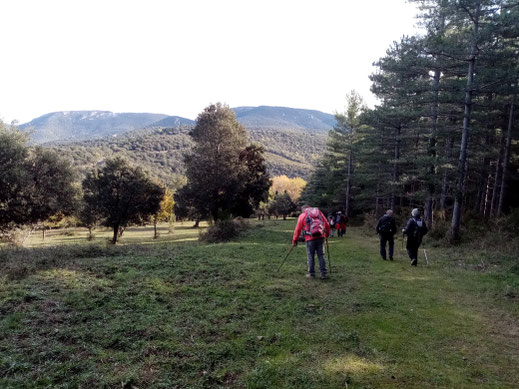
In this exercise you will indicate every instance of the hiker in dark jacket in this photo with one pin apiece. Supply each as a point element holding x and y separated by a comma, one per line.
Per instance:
<point>415,230</point>
<point>386,229</point>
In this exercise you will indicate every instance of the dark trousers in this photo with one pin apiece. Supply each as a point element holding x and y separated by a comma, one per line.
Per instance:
<point>391,241</point>
<point>413,252</point>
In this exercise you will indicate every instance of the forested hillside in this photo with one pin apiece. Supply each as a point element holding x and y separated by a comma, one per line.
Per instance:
<point>160,151</point>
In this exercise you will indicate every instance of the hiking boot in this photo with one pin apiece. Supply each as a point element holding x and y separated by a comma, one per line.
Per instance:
<point>414,262</point>
<point>310,276</point>
<point>324,277</point>
<point>390,259</point>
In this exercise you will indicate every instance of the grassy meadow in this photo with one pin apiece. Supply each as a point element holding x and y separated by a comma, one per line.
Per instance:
<point>176,313</point>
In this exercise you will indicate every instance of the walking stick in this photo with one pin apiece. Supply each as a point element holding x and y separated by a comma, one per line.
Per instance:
<point>329,260</point>
<point>426,259</point>
<point>291,248</point>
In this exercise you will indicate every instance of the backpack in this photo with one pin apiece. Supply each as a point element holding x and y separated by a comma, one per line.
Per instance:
<point>420,229</point>
<point>385,226</point>
<point>314,224</point>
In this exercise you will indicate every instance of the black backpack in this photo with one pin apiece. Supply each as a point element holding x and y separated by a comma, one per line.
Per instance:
<point>420,229</point>
<point>385,226</point>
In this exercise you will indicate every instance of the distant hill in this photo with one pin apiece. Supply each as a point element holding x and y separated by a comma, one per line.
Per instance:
<point>83,125</point>
<point>172,121</point>
<point>293,138</point>
<point>282,117</point>
<point>73,126</point>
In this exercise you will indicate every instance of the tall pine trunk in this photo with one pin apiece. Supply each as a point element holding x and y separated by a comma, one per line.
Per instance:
<point>432,150</point>
<point>493,201</point>
<point>445,181</point>
<point>396,173</point>
<point>506,157</point>
<point>458,200</point>
<point>348,183</point>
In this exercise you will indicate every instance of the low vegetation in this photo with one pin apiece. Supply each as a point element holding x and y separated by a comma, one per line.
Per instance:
<point>172,312</point>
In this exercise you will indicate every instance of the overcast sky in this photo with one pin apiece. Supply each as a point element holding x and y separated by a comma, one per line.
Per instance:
<point>176,57</point>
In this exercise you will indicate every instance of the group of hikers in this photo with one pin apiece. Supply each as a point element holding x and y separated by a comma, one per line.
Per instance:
<point>316,228</point>
<point>338,221</point>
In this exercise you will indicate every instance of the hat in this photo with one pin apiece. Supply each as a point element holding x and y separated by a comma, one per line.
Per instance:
<point>415,212</point>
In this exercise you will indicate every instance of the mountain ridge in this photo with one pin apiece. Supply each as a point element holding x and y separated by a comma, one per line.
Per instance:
<point>73,126</point>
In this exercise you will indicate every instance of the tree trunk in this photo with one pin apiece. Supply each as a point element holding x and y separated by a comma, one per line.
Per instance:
<point>482,204</point>
<point>377,192</point>
<point>43,233</point>
<point>485,200</point>
<point>155,235</point>
<point>432,149</point>
<point>493,201</point>
<point>396,174</point>
<point>445,183</point>
<point>458,199</point>
<point>116,234</point>
<point>348,185</point>
<point>506,157</point>
<point>197,223</point>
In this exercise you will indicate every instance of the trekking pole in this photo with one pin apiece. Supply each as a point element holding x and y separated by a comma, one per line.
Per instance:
<point>291,248</point>
<point>425,254</point>
<point>329,260</point>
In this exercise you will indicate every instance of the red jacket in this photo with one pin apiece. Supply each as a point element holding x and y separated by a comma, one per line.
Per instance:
<point>301,221</point>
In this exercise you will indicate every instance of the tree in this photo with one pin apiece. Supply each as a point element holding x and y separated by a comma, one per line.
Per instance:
<point>330,185</point>
<point>13,177</point>
<point>293,186</point>
<point>254,181</point>
<point>35,183</point>
<point>165,213</point>
<point>282,205</point>
<point>121,194</point>
<point>224,177</point>
<point>349,122</point>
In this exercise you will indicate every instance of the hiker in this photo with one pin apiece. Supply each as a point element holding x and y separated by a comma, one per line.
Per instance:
<point>386,229</point>
<point>331,220</point>
<point>415,230</point>
<point>315,228</point>
<point>340,223</point>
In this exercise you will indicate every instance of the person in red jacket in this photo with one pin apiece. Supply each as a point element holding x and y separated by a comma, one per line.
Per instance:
<point>315,229</point>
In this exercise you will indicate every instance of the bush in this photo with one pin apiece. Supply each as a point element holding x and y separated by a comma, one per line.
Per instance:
<point>440,230</point>
<point>224,230</point>
<point>511,221</point>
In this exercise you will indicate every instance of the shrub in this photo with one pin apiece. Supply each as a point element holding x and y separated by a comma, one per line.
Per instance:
<point>224,230</point>
<point>511,221</point>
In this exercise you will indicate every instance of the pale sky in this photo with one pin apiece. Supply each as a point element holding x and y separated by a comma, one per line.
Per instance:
<point>177,57</point>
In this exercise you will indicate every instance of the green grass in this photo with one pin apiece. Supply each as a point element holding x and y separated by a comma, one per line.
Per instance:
<point>173,313</point>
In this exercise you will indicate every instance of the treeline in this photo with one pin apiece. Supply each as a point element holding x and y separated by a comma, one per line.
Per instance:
<point>39,188</point>
<point>442,137</point>
<point>225,177</point>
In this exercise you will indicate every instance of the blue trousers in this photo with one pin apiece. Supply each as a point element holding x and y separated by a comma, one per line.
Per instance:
<point>313,246</point>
